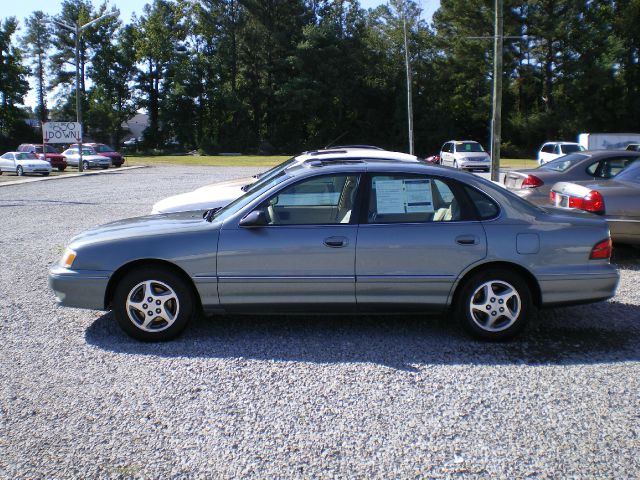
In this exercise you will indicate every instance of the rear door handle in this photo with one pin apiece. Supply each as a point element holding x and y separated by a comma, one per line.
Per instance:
<point>336,242</point>
<point>467,240</point>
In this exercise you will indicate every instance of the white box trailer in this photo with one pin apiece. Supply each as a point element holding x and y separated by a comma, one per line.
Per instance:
<point>607,141</point>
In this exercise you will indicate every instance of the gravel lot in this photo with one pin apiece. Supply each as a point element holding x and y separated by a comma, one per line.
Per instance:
<point>355,397</point>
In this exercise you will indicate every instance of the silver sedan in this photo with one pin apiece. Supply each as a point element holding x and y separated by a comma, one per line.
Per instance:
<point>355,236</point>
<point>534,184</point>
<point>617,200</point>
<point>89,158</point>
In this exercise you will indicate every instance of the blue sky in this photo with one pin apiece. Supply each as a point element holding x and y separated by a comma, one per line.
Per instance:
<point>23,8</point>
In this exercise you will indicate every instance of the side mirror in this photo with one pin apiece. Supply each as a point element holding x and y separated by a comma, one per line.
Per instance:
<point>257,218</point>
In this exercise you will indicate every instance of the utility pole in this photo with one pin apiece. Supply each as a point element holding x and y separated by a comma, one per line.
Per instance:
<point>77,30</point>
<point>409,95</point>
<point>496,117</point>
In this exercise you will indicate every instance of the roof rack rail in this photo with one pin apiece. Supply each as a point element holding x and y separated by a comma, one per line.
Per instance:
<point>363,147</point>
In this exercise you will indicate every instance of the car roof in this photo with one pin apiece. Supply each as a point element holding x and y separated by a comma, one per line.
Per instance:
<point>334,155</point>
<point>561,142</point>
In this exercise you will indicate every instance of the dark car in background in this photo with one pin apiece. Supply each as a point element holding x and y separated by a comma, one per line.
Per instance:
<point>45,152</point>
<point>117,159</point>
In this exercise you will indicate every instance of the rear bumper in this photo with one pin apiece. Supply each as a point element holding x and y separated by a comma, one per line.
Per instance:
<point>80,289</point>
<point>583,288</point>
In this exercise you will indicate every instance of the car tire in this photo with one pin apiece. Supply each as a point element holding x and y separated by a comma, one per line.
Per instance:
<point>172,298</point>
<point>85,165</point>
<point>104,168</point>
<point>45,174</point>
<point>117,165</point>
<point>61,169</point>
<point>20,171</point>
<point>494,304</point>
<point>455,164</point>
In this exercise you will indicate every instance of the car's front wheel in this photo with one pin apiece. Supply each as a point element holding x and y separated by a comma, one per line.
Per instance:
<point>19,171</point>
<point>85,165</point>
<point>153,304</point>
<point>494,304</point>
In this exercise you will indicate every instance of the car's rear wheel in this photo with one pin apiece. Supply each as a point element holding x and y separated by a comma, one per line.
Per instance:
<point>61,169</point>
<point>19,171</point>
<point>153,304</point>
<point>494,304</point>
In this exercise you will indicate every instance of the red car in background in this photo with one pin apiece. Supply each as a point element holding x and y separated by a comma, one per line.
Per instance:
<point>45,152</point>
<point>117,159</point>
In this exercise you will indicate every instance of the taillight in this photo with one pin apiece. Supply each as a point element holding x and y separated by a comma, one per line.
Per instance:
<point>592,202</point>
<point>552,196</point>
<point>602,250</point>
<point>532,182</point>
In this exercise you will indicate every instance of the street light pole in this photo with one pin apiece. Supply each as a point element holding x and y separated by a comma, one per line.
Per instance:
<point>78,29</point>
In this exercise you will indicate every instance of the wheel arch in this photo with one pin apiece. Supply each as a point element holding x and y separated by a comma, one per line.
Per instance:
<point>122,271</point>
<point>528,277</point>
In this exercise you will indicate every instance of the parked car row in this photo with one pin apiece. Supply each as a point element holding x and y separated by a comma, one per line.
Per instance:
<point>341,230</point>
<point>604,182</point>
<point>94,155</point>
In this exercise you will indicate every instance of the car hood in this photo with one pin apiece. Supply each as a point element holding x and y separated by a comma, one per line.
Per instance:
<point>204,198</point>
<point>471,155</point>
<point>148,226</point>
<point>110,154</point>
<point>34,162</point>
<point>238,182</point>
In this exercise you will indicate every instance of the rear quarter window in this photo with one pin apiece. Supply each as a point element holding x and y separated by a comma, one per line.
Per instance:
<point>485,206</point>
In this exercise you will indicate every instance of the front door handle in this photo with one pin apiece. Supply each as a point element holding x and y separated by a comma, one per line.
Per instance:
<point>467,240</point>
<point>336,242</point>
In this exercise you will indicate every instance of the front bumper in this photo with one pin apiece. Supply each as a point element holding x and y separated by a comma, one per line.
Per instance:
<point>80,289</point>
<point>477,166</point>
<point>27,169</point>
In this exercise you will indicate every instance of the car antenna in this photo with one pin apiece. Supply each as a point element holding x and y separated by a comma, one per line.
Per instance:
<point>332,142</point>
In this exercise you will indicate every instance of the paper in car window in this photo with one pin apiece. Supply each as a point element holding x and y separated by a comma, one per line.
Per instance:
<point>419,197</point>
<point>389,196</point>
<point>403,196</point>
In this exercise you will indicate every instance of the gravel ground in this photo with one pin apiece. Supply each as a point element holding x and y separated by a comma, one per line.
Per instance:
<point>354,397</point>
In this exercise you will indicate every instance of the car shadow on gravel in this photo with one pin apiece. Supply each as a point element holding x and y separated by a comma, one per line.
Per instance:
<point>599,333</point>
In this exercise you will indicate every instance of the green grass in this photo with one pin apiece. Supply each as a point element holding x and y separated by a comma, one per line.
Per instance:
<point>213,161</point>
<point>263,161</point>
<point>518,163</point>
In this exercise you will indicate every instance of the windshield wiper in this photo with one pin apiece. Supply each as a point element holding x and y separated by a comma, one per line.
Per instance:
<point>208,215</point>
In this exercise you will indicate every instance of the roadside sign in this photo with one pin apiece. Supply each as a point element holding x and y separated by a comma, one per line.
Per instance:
<point>62,132</point>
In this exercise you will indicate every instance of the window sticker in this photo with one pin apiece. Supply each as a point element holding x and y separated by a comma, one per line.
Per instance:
<point>389,196</point>
<point>418,196</point>
<point>308,199</point>
<point>403,196</point>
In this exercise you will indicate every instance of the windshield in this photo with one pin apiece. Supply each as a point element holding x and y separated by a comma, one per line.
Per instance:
<point>265,177</point>
<point>26,156</point>
<point>468,147</point>
<point>561,164</point>
<point>276,169</point>
<point>253,192</point>
<point>104,148</point>
<point>572,148</point>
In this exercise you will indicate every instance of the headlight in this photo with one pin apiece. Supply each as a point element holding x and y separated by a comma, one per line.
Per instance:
<point>67,258</point>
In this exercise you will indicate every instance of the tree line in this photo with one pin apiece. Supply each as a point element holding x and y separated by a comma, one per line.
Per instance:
<point>289,75</point>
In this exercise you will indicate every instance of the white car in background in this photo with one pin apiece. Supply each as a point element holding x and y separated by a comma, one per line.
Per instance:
<point>222,193</point>
<point>89,158</point>
<point>21,163</point>
<point>552,150</point>
<point>465,155</point>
